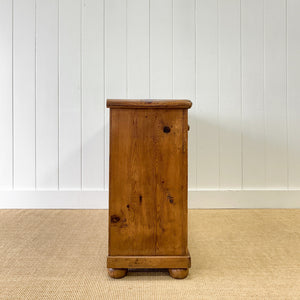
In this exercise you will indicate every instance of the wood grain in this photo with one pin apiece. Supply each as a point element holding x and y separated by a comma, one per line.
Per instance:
<point>171,183</point>
<point>148,103</point>
<point>140,262</point>
<point>131,180</point>
<point>148,184</point>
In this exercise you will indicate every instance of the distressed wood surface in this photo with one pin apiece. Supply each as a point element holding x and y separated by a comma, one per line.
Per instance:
<point>140,262</point>
<point>132,209</point>
<point>148,103</point>
<point>171,183</point>
<point>148,184</point>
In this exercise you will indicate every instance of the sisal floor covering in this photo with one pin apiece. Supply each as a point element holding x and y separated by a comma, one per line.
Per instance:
<point>236,254</point>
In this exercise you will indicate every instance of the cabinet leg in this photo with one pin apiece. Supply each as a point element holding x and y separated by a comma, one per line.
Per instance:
<point>117,273</point>
<point>178,273</point>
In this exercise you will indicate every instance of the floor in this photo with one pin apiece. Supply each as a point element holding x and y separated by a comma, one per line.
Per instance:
<point>236,254</point>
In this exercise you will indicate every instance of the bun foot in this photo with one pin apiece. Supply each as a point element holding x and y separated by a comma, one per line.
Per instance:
<point>178,273</point>
<point>117,273</point>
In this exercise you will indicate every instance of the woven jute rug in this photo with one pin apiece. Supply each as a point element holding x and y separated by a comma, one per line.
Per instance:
<point>236,254</point>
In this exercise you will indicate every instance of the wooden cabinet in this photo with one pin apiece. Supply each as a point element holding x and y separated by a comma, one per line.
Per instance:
<point>148,186</point>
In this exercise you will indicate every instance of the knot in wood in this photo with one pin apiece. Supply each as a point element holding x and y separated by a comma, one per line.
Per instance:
<point>167,129</point>
<point>114,219</point>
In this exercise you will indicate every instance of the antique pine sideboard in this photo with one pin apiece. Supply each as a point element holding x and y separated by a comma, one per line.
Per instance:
<point>148,186</point>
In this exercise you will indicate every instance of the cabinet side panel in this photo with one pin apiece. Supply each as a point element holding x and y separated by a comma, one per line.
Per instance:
<point>171,189</point>
<point>132,210</point>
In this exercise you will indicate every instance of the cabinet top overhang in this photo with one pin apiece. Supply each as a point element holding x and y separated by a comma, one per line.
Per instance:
<point>147,103</point>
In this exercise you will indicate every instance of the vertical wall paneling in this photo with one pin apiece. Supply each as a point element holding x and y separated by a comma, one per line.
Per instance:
<point>70,94</point>
<point>230,94</point>
<point>275,93</point>
<point>237,60</point>
<point>115,61</point>
<point>24,93</point>
<point>161,49</point>
<point>207,93</point>
<point>138,48</point>
<point>47,94</point>
<point>293,91</point>
<point>184,71</point>
<point>252,76</point>
<point>93,102</point>
<point>6,121</point>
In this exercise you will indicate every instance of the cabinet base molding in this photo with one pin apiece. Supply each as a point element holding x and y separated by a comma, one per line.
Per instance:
<point>178,266</point>
<point>151,262</point>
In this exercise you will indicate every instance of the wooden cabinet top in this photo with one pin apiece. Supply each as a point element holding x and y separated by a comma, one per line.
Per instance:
<point>147,103</point>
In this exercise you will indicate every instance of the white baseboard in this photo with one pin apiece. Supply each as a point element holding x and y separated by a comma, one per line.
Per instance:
<point>244,199</point>
<point>54,199</point>
<point>197,199</point>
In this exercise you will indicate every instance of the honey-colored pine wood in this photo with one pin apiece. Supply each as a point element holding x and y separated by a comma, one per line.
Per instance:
<point>143,262</point>
<point>148,184</point>
<point>117,273</point>
<point>179,273</point>
<point>148,103</point>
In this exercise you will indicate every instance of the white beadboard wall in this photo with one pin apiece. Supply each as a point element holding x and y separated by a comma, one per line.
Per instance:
<point>237,60</point>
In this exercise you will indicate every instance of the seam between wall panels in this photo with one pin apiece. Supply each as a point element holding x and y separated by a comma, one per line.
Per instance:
<point>35,94</point>
<point>218,64</point>
<point>58,96</point>
<point>241,104</point>
<point>81,93</point>
<point>12,104</point>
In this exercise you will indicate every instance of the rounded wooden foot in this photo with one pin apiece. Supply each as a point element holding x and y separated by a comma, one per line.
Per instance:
<point>178,273</point>
<point>117,273</point>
